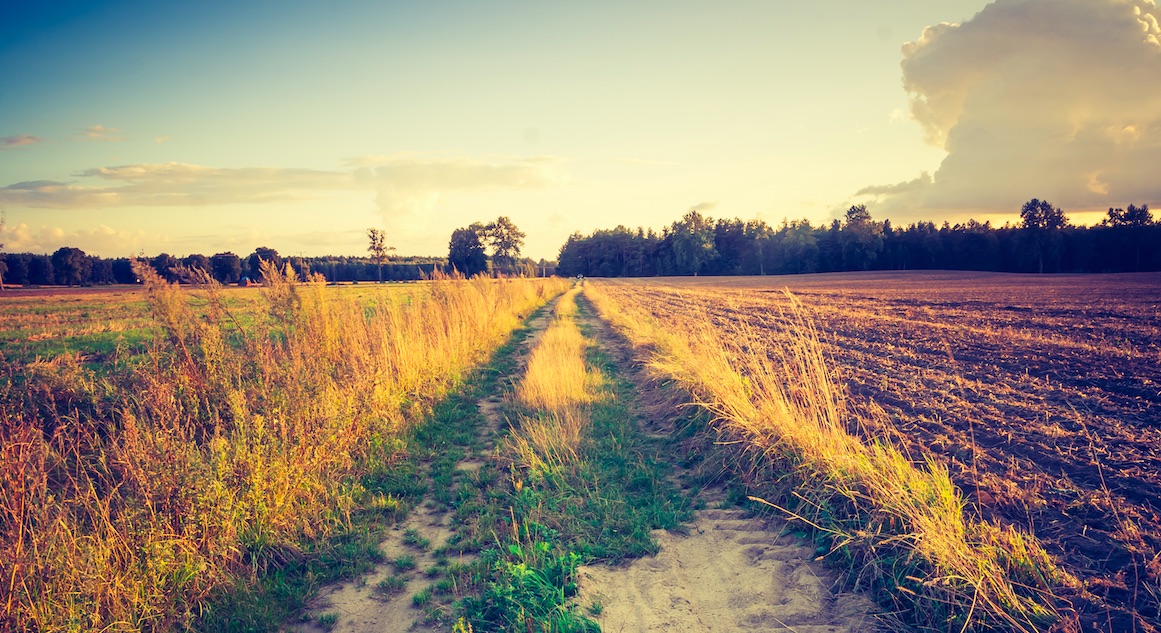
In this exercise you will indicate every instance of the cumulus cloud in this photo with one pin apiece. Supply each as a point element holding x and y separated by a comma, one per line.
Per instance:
<point>1056,99</point>
<point>101,133</point>
<point>101,240</point>
<point>18,141</point>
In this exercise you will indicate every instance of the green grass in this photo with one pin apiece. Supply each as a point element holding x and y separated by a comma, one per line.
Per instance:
<point>532,530</point>
<point>391,585</point>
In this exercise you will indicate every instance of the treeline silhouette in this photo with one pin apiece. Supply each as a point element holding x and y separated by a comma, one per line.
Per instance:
<point>73,267</point>
<point>1043,242</point>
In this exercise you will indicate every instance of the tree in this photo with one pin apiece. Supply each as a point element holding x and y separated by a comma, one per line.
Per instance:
<point>3,263</point>
<point>226,267</point>
<point>861,239</point>
<point>1135,216</point>
<point>164,265</point>
<point>466,251</point>
<point>40,270</point>
<point>693,242</point>
<point>505,240</point>
<point>1042,223</point>
<point>263,254</point>
<point>198,261</point>
<point>378,248</point>
<point>1128,227</point>
<point>71,266</point>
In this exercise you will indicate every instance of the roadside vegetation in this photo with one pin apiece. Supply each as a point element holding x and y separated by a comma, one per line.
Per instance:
<point>226,450</point>
<point>899,529</point>
<point>569,481</point>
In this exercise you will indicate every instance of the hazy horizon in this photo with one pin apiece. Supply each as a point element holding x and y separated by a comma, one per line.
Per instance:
<point>202,128</point>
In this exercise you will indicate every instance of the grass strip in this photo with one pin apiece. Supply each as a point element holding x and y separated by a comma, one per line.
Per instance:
<point>550,500</point>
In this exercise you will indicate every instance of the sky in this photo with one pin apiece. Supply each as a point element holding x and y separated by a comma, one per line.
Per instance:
<point>131,127</point>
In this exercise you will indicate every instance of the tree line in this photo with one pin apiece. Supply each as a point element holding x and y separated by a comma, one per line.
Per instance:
<point>70,266</point>
<point>1044,241</point>
<point>492,248</point>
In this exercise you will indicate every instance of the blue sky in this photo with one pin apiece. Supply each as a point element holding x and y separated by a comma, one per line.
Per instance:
<point>201,127</point>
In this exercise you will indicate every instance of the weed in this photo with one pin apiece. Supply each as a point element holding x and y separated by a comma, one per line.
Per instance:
<point>391,585</point>
<point>139,498</point>
<point>404,563</point>
<point>328,621</point>
<point>422,599</point>
<point>411,537</point>
<point>901,526</point>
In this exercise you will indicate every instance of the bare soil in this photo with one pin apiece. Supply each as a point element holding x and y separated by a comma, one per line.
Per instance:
<point>1042,394</point>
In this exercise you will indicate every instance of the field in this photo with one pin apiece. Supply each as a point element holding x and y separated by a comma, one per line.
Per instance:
<point>46,322</point>
<point>1042,395</point>
<point>970,451</point>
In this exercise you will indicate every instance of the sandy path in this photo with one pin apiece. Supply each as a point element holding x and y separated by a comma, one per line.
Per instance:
<point>731,573</point>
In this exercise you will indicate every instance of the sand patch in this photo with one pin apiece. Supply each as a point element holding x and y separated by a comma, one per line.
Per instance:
<point>730,573</point>
<point>361,607</point>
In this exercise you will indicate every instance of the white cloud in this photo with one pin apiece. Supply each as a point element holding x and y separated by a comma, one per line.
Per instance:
<point>174,184</point>
<point>101,133</point>
<point>1056,99</point>
<point>18,141</point>
<point>101,240</point>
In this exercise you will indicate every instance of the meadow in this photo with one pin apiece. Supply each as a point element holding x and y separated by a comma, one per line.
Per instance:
<point>225,433</point>
<point>1038,395</point>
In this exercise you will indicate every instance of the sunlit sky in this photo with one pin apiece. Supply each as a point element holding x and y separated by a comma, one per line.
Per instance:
<point>183,127</point>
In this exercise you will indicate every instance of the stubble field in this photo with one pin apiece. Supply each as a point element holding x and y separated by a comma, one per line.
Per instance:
<point>1042,395</point>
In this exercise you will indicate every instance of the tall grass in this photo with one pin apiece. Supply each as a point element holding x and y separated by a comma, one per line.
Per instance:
<point>554,391</point>
<point>126,500</point>
<point>900,527</point>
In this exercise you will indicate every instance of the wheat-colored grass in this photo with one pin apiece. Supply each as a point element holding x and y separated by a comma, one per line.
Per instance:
<point>555,392</point>
<point>892,517</point>
<point>125,501</point>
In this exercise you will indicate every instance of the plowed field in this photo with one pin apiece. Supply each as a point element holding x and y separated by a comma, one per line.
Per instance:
<point>1042,394</point>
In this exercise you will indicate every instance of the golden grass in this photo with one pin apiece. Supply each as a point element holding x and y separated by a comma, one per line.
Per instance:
<point>125,501</point>
<point>554,392</point>
<point>902,526</point>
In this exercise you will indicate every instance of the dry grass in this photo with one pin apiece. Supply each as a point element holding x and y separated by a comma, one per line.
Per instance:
<point>554,393</point>
<point>899,526</point>
<point>124,501</point>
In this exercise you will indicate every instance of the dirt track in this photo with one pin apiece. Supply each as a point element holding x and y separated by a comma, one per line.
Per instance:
<point>731,572</point>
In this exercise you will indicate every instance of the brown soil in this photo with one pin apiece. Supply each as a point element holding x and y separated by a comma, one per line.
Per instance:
<point>1040,394</point>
